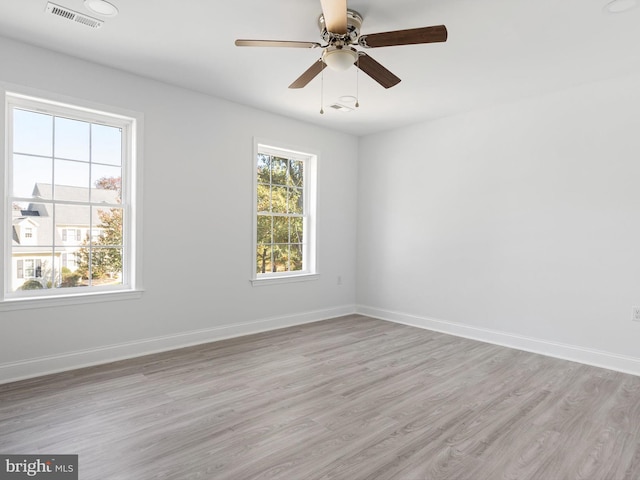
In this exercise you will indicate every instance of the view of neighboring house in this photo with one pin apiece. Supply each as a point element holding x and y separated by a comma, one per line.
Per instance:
<point>47,237</point>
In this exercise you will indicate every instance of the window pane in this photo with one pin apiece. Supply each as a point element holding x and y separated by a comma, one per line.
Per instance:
<point>32,227</point>
<point>106,184</point>
<point>296,200</point>
<point>279,167</point>
<point>72,224</point>
<point>106,266</point>
<point>71,139</point>
<point>32,269</point>
<point>296,173</point>
<point>279,199</point>
<point>264,229</point>
<point>107,227</point>
<point>280,230</point>
<point>27,171</point>
<point>32,133</point>
<point>71,174</point>
<point>106,144</point>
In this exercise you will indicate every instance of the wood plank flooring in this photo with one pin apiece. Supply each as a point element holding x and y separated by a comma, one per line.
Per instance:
<point>346,399</point>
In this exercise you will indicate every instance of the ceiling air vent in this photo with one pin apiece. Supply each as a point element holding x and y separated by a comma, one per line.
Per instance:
<point>68,14</point>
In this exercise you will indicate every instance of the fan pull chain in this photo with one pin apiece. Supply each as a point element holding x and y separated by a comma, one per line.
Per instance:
<point>322,91</point>
<point>357,81</point>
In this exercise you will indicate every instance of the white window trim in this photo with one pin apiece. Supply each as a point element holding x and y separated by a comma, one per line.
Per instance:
<point>310,272</point>
<point>133,180</point>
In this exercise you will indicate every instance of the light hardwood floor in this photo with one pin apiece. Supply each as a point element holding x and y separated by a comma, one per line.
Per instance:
<point>351,398</point>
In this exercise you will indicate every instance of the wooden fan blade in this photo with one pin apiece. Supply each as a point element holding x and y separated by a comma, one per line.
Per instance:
<point>376,71</point>
<point>275,43</point>
<point>335,15</point>
<point>309,75</point>
<point>411,36</point>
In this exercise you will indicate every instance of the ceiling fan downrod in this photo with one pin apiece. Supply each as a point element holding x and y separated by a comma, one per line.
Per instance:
<point>322,92</point>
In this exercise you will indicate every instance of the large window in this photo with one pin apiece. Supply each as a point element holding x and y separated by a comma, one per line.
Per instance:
<point>285,213</point>
<point>69,216</point>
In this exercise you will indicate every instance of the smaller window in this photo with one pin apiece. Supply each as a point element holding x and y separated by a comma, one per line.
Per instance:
<point>28,232</point>
<point>69,261</point>
<point>71,234</point>
<point>284,202</point>
<point>29,269</point>
<point>96,234</point>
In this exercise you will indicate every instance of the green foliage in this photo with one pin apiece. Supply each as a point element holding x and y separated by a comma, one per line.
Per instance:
<point>31,285</point>
<point>69,278</point>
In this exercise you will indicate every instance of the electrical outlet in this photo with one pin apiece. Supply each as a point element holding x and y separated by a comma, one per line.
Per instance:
<point>636,314</point>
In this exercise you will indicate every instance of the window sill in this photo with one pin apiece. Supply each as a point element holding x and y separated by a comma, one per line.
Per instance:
<point>261,282</point>
<point>65,300</point>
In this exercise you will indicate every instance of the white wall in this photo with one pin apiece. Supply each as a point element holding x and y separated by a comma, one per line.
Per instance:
<point>197,171</point>
<point>518,225</point>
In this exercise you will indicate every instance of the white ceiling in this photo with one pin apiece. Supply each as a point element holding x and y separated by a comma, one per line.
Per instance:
<point>497,51</point>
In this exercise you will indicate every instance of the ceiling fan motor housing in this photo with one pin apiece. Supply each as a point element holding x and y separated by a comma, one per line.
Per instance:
<point>354,24</point>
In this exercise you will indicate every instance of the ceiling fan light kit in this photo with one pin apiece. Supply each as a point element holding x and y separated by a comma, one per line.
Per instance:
<point>339,58</point>
<point>340,29</point>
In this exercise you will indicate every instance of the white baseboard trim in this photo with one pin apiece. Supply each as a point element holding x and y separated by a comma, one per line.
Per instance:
<point>36,367</point>
<point>588,356</point>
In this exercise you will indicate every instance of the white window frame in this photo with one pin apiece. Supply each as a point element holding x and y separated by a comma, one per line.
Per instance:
<point>132,123</point>
<point>309,254</point>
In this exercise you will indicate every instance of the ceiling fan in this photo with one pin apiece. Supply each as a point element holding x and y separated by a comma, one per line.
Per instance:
<point>340,29</point>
